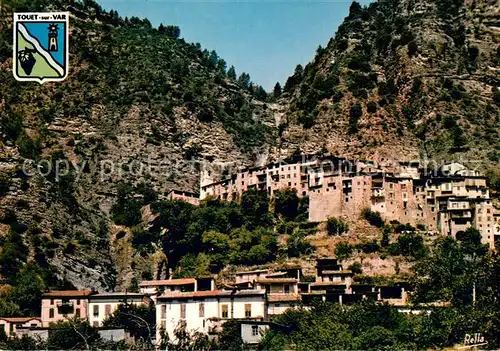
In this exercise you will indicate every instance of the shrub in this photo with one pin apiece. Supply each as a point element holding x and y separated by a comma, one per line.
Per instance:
<point>373,217</point>
<point>356,268</point>
<point>127,209</point>
<point>369,247</point>
<point>386,230</point>
<point>297,245</point>
<point>473,53</point>
<point>355,114</point>
<point>371,107</point>
<point>343,250</point>
<point>336,226</point>
<point>412,48</point>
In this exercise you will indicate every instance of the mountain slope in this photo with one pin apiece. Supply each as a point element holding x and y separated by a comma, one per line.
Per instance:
<point>402,79</point>
<point>141,109</point>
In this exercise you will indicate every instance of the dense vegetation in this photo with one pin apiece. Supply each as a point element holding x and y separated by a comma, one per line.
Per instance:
<point>198,240</point>
<point>136,94</point>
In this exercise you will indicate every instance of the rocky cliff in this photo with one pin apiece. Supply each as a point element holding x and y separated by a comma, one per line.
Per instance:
<point>402,79</point>
<point>141,108</point>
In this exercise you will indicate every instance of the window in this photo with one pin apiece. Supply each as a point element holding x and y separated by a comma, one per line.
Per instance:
<point>255,330</point>
<point>163,312</point>
<point>51,313</point>
<point>201,307</point>
<point>224,311</point>
<point>287,289</point>
<point>107,310</point>
<point>96,311</point>
<point>77,312</point>
<point>78,302</point>
<point>183,310</point>
<point>248,310</point>
<point>51,301</point>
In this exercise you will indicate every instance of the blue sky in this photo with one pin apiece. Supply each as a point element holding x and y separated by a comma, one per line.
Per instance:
<point>40,31</point>
<point>265,38</point>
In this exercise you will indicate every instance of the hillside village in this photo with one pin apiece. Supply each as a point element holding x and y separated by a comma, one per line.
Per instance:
<point>337,240</point>
<point>254,298</point>
<point>446,200</point>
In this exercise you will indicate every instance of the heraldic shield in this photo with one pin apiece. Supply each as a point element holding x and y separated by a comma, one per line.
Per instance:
<point>41,46</point>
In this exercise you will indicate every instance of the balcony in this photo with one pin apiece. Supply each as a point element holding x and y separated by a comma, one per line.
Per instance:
<point>461,214</point>
<point>378,193</point>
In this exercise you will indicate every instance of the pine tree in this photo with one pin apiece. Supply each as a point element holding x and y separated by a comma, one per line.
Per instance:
<point>161,28</point>
<point>221,66</point>
<point>277,89</point>
<point>260,93</point>
<point>244,80</point>
<point>231,73</point>
<point>213,59</point>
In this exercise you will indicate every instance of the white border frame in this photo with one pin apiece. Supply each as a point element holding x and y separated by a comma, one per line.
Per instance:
<point>14,47</point>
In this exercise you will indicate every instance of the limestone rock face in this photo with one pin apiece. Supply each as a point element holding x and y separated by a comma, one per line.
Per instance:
<point>402,79</point>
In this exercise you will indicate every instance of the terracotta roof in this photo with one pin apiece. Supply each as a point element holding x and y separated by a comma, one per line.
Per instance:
<point>211,293</point>
<point>275,274</point>
<point>327,283</point>
<point>20,319</point>
<point>252,272</point>
<point>68,293</point>
<point>116,295</point>
<point>283,298</point>
<point>276,280</point>
<point>343,272</point>
<point>312,293</point>
<point>168,282</point>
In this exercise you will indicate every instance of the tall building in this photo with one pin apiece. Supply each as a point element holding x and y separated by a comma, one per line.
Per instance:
<point>447,200</point>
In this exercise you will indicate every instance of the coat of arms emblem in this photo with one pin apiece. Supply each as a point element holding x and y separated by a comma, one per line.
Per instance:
<point>41,46</point>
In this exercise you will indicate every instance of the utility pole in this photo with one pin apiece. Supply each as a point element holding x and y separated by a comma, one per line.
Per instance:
<point>474,293</point>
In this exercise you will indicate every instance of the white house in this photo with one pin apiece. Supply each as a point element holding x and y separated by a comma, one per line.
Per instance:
<point>153,287</point>
<point>101,306</point>
<point>206,311</point>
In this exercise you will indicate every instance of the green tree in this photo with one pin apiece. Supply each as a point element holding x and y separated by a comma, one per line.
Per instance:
<point>139,320</point>
<point>28,289</point>
<point>343,250</point>
<point>244,80</point>
<point>386,231</point>
<point>372,217</point>
<point>72,333</point>
<point>286,203</point>
<point>336,226</point>
<point>412,245</point>
<point>230,338</point>
<point>356,268</point>
<point>231,73</point>
<point>277,90</point>
<point>255,209</point>
<point>447,274</point>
